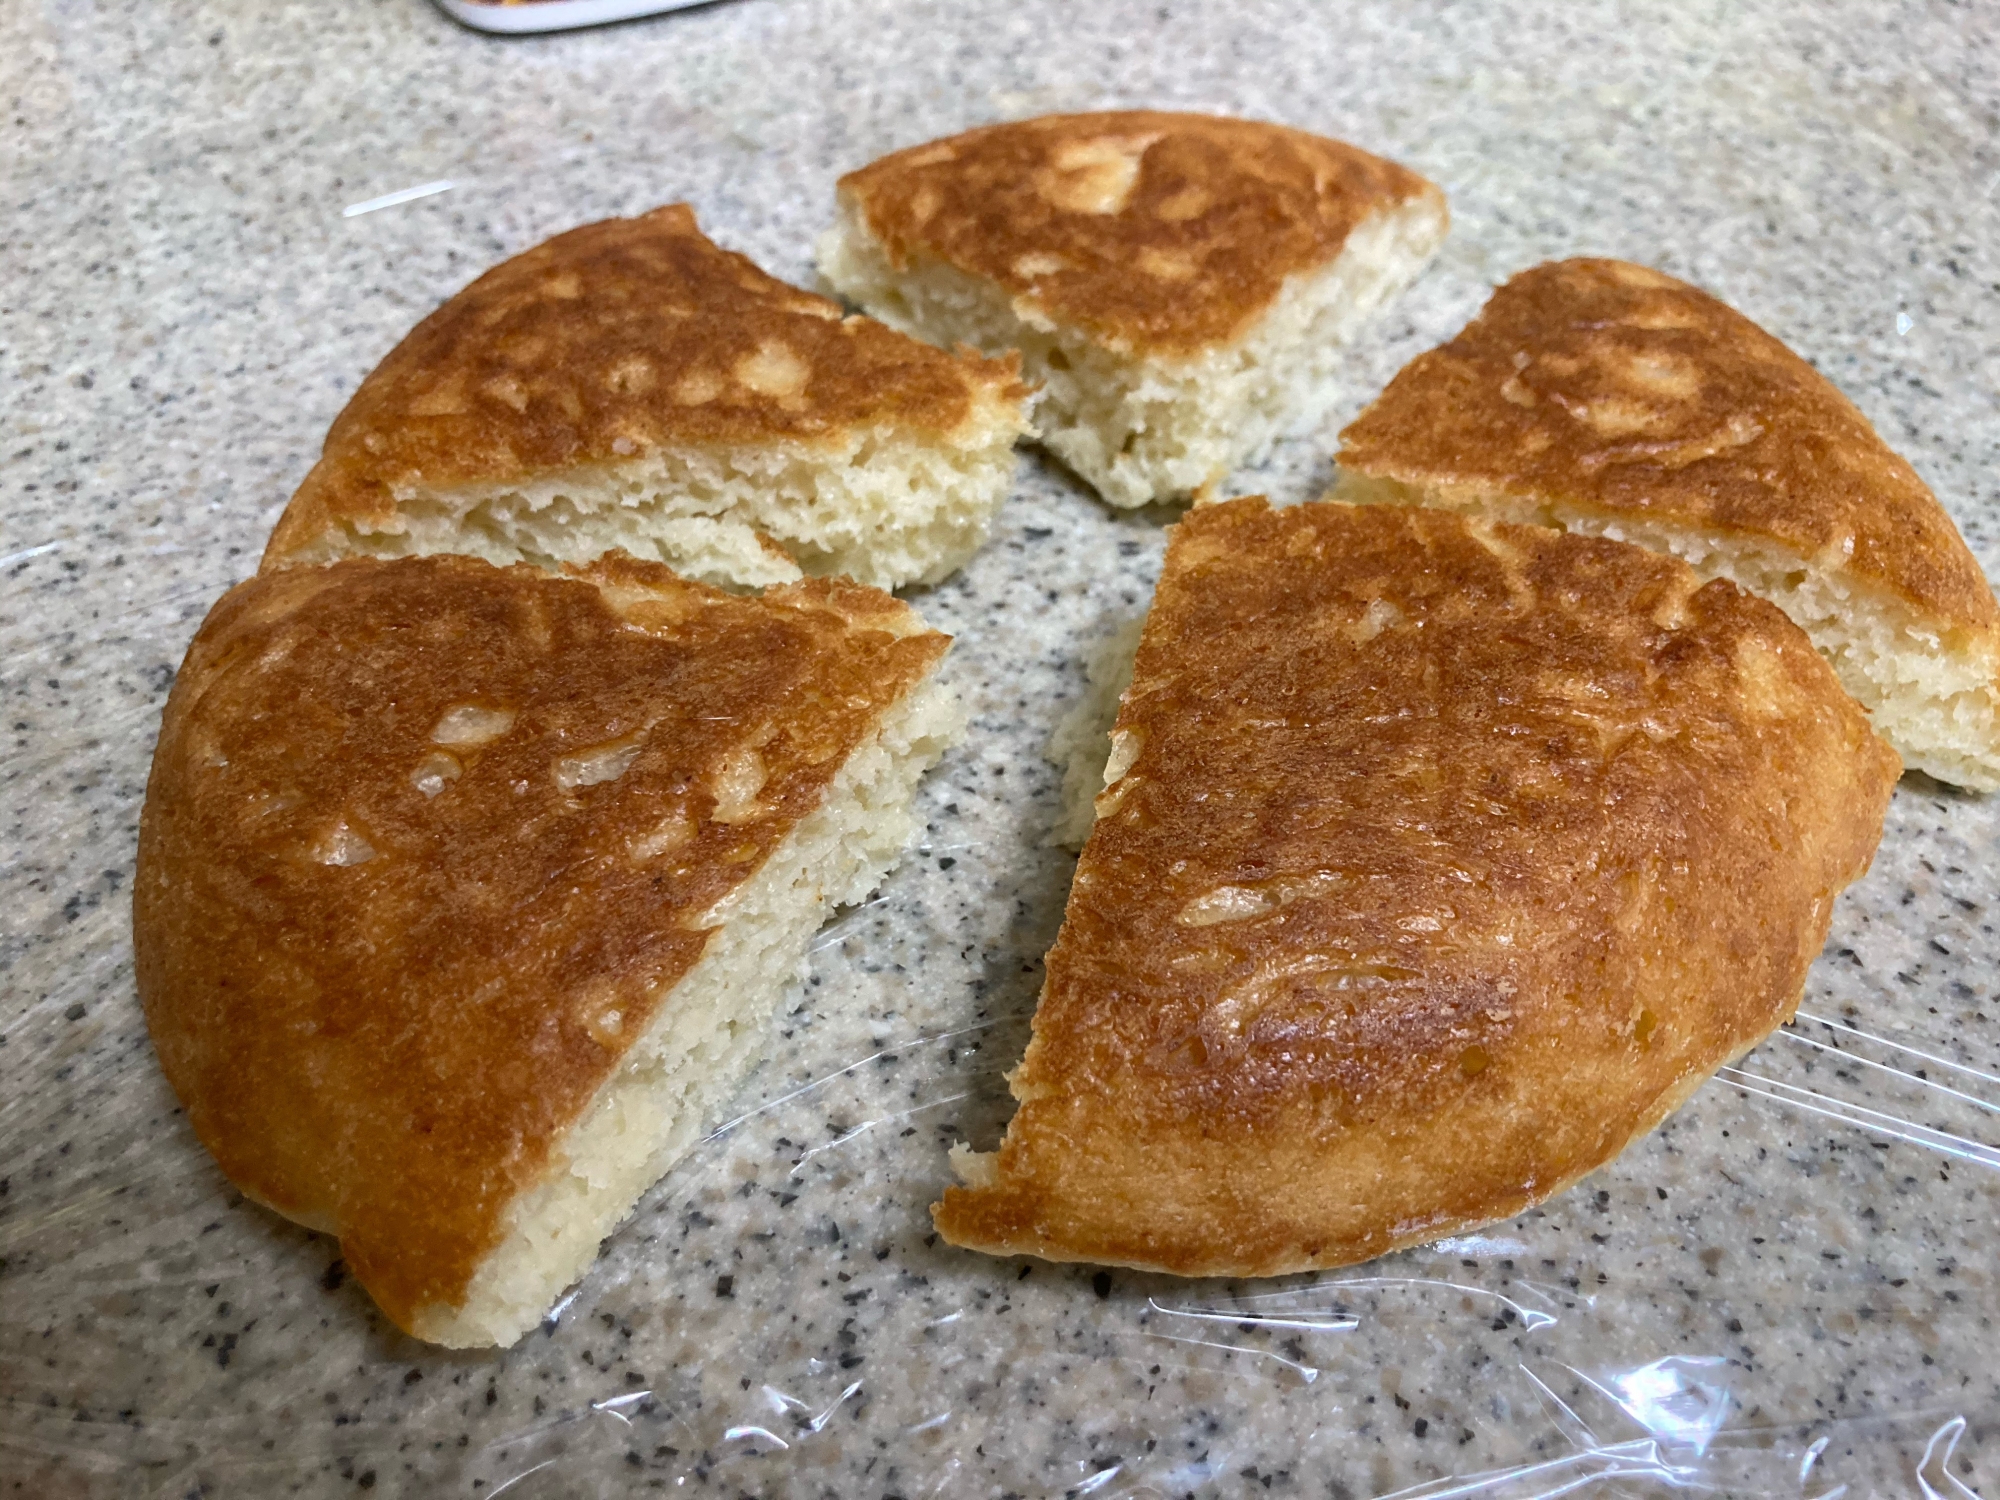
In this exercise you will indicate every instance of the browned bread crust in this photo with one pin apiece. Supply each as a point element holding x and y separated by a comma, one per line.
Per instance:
<point>428,844</point>
<point>1157,233</point>
<point>606,341</point>
<point>1607,385</point>
<point>1452,858</point>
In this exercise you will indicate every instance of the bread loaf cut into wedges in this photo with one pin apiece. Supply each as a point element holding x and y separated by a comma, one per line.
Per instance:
<point>1436,862</point>
<point>465,894</point>
<point>1178,285</point>
<point>1607,398</point>
<point>631,385</point>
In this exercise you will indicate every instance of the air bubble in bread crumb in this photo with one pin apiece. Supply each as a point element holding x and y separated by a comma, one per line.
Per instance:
<point>736,783</point>
<point>599,764</point>
<point>342,845</point>
<point>470,724</point>
<point>774,370</point>
<point>1226,903</point>
<point>1125,747</point>
<point>673,833</point>
<point>1381,615</point>
<point>435,772</point>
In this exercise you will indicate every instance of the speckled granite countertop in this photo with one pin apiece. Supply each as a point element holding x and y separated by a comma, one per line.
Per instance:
<point>1766,1297</point>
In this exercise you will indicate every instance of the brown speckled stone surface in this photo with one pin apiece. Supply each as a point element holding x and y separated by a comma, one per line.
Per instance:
<point>183,309</point>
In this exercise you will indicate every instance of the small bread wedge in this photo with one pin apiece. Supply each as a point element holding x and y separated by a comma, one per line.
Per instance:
<point>1437,861</point>
<point>465,894</point>
<point>631,385</point>
<point>1178,285</point>
<point>1607,398</point>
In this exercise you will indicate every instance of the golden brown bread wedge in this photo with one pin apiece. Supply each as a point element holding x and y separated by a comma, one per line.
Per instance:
<point>465,894</point>
<point>1607,398</point>
<point>632,385</point>
<point>1178,285</point>
<point>1437,862</point>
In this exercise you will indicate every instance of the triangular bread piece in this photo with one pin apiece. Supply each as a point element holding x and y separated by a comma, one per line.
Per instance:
<point>465,894</point>
<point>632,385</point>
<point>1437,862</point>
<point>1178,285</point>
<point>1607,398</point>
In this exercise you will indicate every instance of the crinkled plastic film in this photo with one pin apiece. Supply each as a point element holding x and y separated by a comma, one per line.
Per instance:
<point>1788,1290</point>
<point>777,1319</point>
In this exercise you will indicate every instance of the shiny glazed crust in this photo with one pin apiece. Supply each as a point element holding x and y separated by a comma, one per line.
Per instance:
<point>1156,233</point>
<point>612,339</point>
<point>1438,861</point>
<point>428,843</point>
<point>1609,386</point>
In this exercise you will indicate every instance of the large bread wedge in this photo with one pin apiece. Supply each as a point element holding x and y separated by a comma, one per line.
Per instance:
<point>465,894</point>
<point>1437,861</point>
<point>1607,398</point>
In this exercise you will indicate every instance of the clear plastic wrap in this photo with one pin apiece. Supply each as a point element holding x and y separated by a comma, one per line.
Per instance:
<point>1729,1309</point>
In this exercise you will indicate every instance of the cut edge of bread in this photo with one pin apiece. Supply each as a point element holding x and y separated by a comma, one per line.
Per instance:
<point>1932,692</point>
<point>1081,742</point>
<point>1142,428</point>
<point>706,1034</point>
<point>884,508</point>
